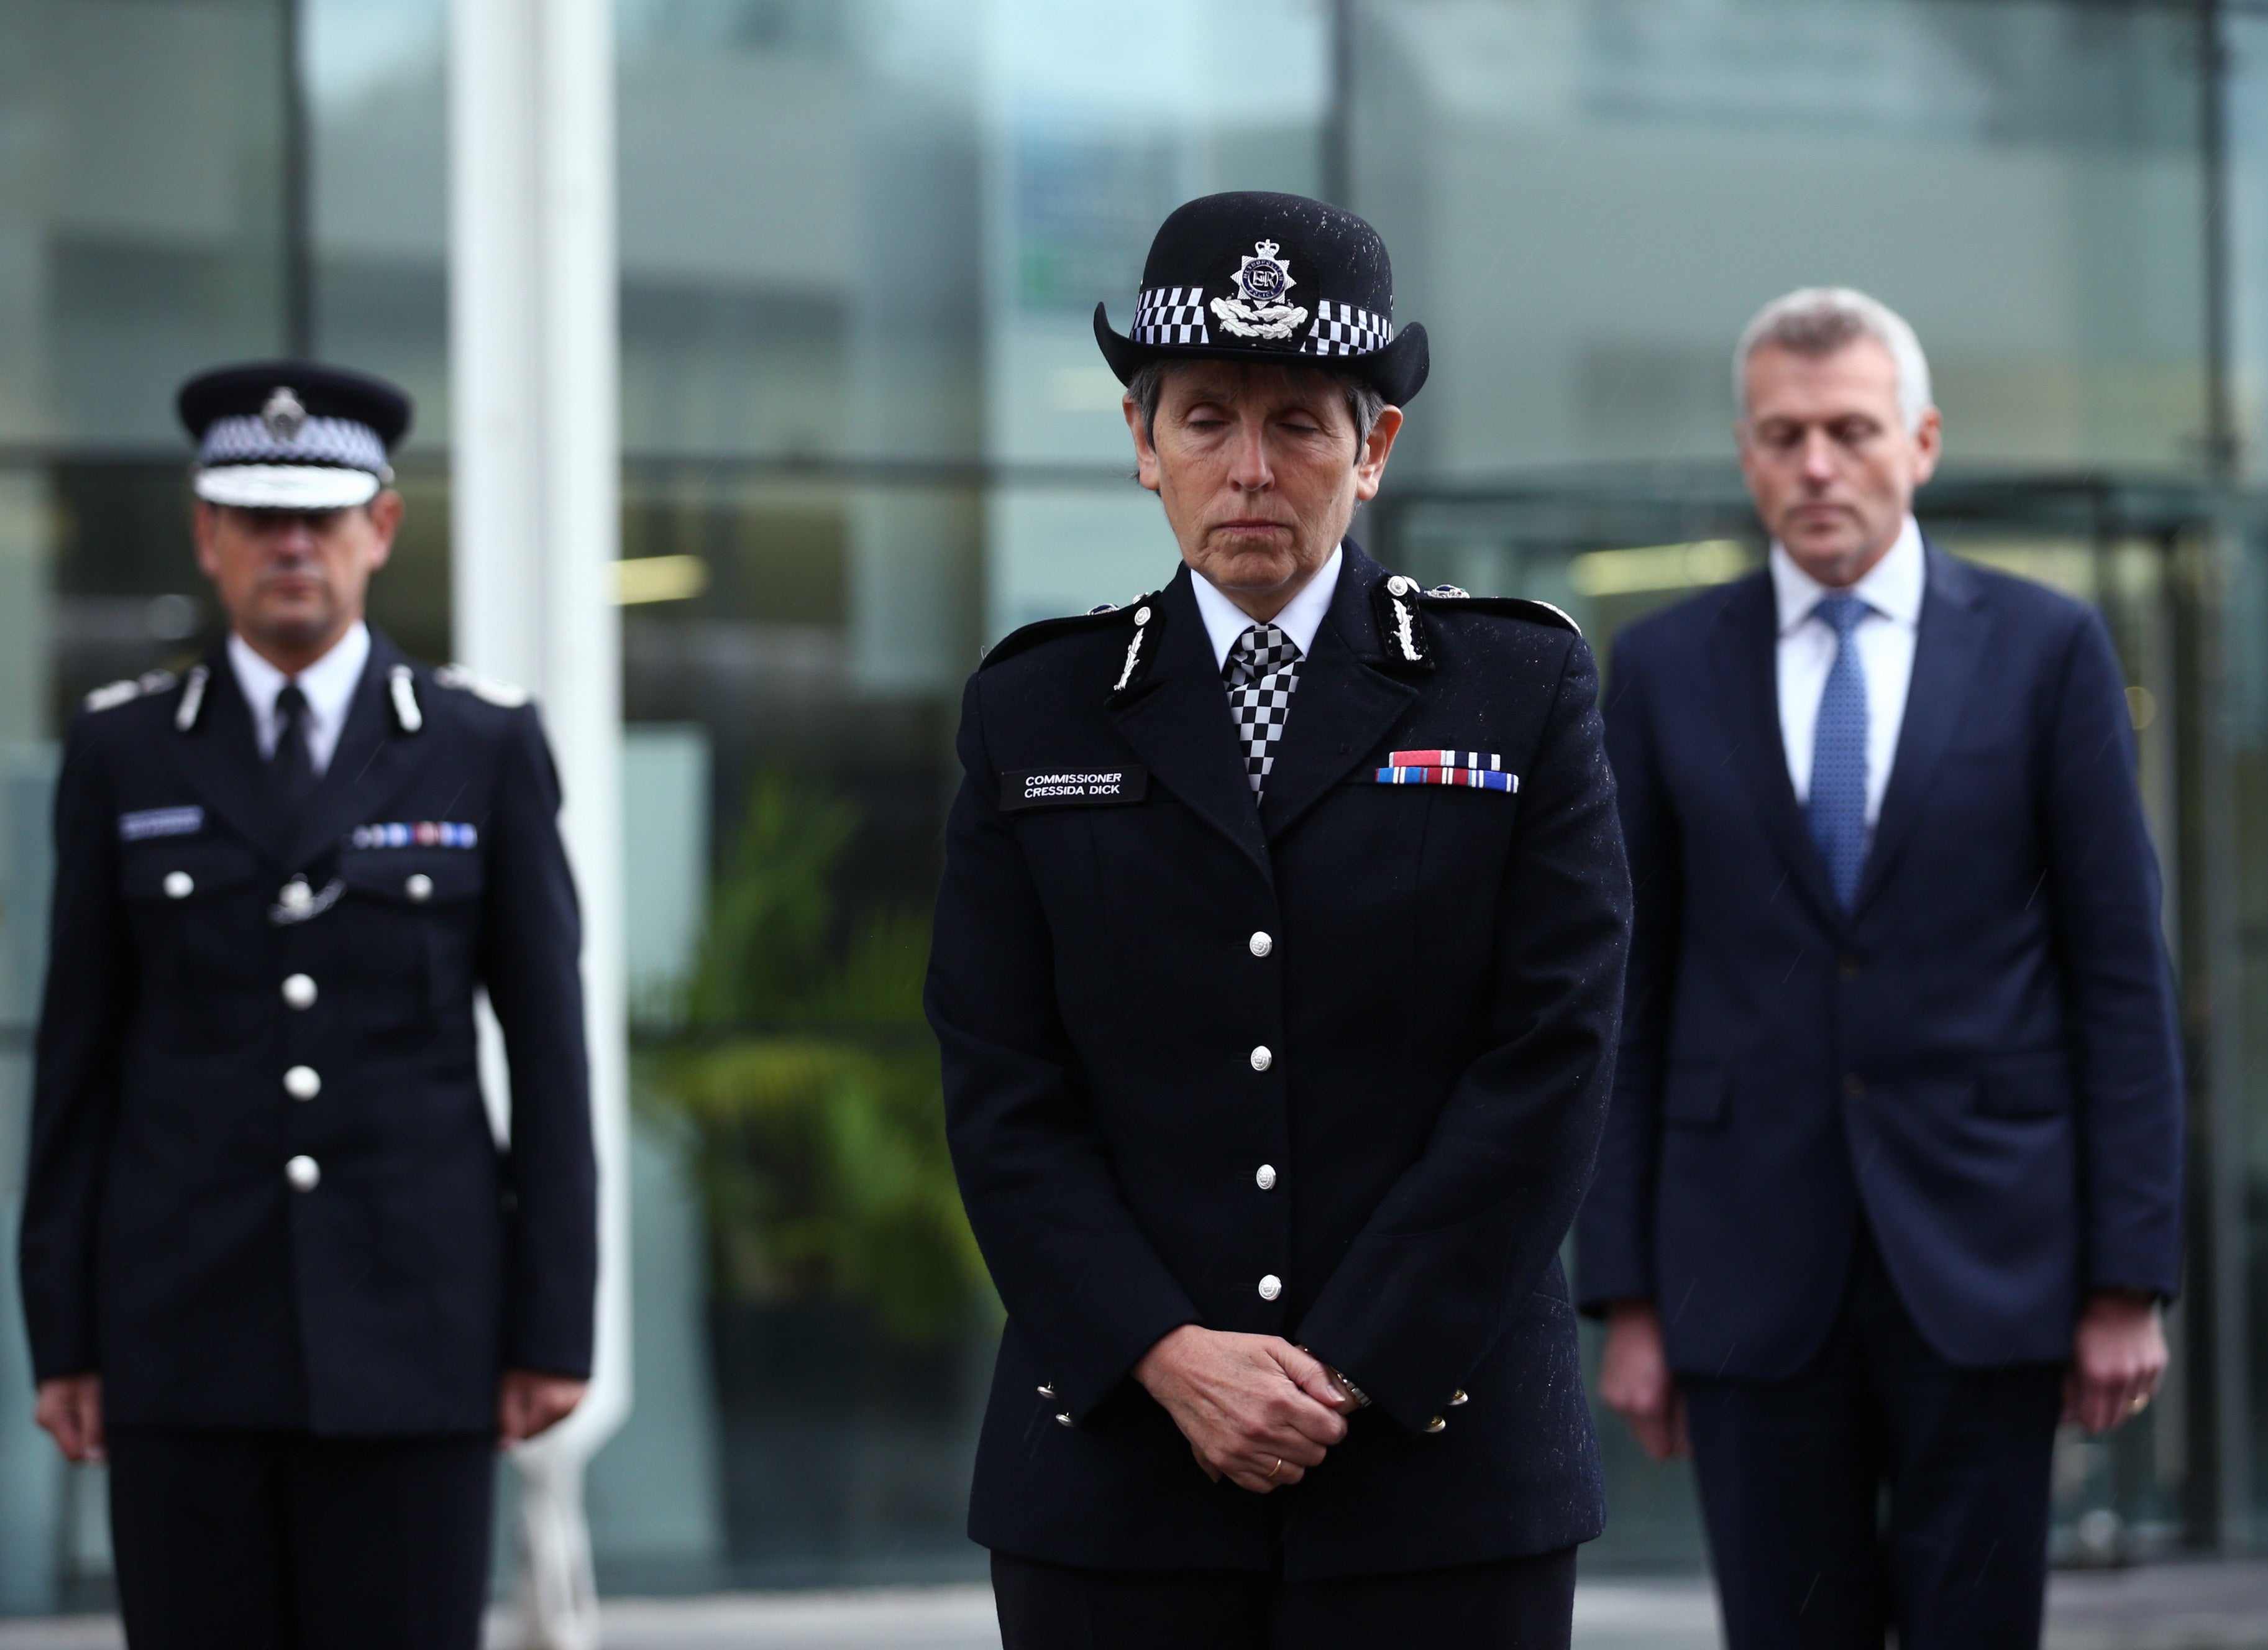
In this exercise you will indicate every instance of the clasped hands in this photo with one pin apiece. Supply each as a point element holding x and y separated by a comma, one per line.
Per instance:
<point>1256,1410</point>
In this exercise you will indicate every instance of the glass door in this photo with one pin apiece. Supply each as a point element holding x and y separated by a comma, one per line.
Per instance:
<point>2170,575</point>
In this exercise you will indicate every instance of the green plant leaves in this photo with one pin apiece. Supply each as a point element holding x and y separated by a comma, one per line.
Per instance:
<point>809,1084</point>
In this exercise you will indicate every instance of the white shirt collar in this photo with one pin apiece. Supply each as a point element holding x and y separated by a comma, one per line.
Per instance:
<point>329,684</point>
<point>1892,588</point>
<point>1301,618</point>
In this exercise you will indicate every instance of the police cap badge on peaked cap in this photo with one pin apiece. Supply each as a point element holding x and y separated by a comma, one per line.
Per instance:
<point>292,434</point>
<point>1251,276</point>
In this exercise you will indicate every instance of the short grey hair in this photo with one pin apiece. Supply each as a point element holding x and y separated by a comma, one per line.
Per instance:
<point>1818,321</point>
<point>1148,388</point>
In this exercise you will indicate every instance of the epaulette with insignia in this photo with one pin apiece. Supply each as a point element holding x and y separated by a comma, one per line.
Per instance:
<point>480,687</point>
<point>1504,607</point>
<point>110,695</point>
<point>1032,635</point>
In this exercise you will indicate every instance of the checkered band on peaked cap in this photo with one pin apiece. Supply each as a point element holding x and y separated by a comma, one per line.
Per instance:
<point>1249,276</point>
<point>292,434</point>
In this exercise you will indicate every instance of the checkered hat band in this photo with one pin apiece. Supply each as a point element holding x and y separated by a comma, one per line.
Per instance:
<point>341,443</point>
<point>1342,329</point>
<point>1170,314</point>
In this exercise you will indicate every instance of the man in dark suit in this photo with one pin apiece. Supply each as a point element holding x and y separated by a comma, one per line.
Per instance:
<point>275,1267</point>
<point>1892,1180</point>
<point>1276,971</point>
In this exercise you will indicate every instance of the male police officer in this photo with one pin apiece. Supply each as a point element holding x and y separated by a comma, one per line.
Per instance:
<point>275,1266</point>
<point>1276,971</point>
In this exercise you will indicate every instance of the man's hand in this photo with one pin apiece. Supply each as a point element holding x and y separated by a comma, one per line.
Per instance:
<point>1635,1381</point>
<point>1255,1408</point>
<point>531,1401</point>
<point>70,1408</point>
<point>2117,1358</point>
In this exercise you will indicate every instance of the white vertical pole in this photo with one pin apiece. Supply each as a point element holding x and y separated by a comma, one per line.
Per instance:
<point>533,379</point>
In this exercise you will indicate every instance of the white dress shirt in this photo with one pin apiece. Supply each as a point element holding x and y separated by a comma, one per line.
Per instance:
<point>1892,591</point>
<point>329,684</point>
<point>1301,618</point>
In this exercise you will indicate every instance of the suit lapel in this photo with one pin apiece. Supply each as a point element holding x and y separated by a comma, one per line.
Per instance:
<point>1178,723</point>
<point>1948,645</point>
<point>1747,647</point>
<point>372,761</point>
<point>1344,704</point>
<point>219,759</point>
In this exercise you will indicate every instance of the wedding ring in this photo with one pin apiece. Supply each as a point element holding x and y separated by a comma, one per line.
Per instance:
<point>1277,1467</point>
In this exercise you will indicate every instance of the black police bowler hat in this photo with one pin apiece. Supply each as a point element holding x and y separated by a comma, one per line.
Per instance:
<point>1248,277</point>
<point>292,434</point>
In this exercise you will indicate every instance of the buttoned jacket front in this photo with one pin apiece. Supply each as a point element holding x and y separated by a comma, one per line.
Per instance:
<point>1977,1063</point>
<point>262,1190</point>
<point>1329,1067</point>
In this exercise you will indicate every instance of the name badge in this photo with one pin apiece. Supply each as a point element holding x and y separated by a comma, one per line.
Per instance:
<point>160,822</point>
<point>1071,787</point>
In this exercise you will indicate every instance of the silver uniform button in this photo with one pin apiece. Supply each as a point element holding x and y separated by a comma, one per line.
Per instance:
<point>1460,1396</point>
<point>1271,1286</point>
<point>1262,943</point>
<point>1265,1177</point>
<point>1436,1424</point>
<point>300,989</point>
<point>1400,586</point>
<point>180,885</point>
<point>1262,1059</point>
<point>304,1172</point>
<point>1047,1390</point>
<point>303,1082</point>
<point>1064,1420</point>
<point>297,895</point>
<point>419,888</point>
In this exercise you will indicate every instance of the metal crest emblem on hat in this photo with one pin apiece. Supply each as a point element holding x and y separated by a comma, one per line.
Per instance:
<point>283,416</point>
<point>1259,310</point>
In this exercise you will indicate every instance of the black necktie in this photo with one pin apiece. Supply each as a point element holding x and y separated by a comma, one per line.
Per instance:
<point>291,768</point>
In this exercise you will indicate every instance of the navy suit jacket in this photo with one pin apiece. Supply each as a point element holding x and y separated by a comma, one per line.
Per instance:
<point>1979,1058</point>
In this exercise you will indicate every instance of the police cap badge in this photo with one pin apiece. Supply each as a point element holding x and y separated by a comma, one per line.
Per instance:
<point>1248,275</point>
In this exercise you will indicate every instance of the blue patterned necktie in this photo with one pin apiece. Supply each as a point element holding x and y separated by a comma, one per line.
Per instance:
<point>1837,804</point>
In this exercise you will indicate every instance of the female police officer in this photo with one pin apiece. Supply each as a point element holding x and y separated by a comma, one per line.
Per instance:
<point>1276,971</point>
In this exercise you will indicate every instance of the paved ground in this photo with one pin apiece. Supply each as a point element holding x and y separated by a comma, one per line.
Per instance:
<point>2169,1607</point>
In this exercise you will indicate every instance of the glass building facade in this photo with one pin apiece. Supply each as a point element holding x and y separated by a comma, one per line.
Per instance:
<point>866,431</point>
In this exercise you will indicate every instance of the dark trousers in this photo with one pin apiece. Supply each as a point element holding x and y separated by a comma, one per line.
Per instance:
<point>1793,1473</point>
<point>1520,1604</point>
<point>281,1541</point>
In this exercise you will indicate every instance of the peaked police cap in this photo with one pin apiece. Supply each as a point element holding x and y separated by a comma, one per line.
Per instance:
<point>1250,277</point>
<point>292,434</point>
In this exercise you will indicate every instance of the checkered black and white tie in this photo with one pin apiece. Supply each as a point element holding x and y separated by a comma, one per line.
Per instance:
<point>1263,670</point>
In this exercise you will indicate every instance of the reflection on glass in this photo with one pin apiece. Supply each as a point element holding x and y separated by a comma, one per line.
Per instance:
<point>867,431</point>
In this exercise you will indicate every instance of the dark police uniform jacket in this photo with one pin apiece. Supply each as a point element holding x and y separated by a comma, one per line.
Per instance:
<point>165,1243</point>
<point>1400,999</point>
